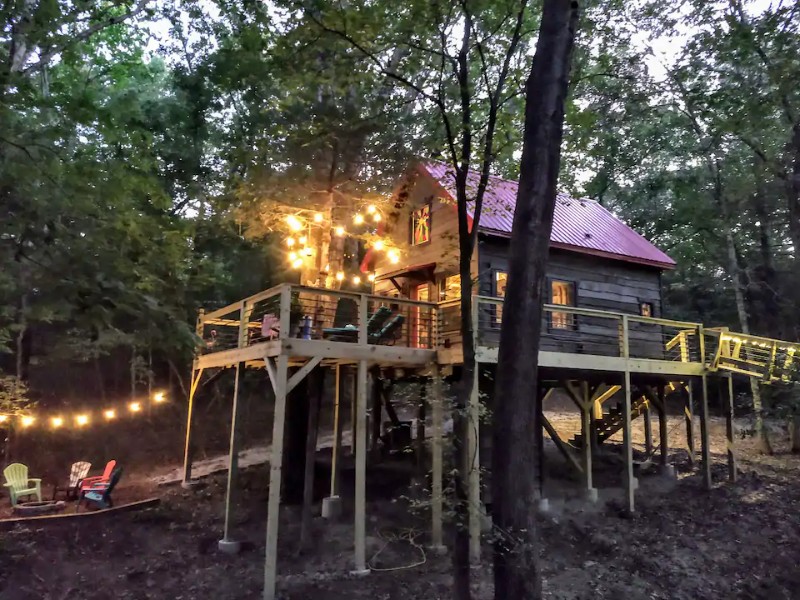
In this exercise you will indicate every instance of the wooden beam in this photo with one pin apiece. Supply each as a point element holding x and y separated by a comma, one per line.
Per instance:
<point>336,458</point>
<point>437,409</point>
<point>663,430</point>
<point>275,466</point>
<point>704,441</point>
<point>187,451</point>
<point>231,491</point>
<point>648,429</point>
<point>729,432</point>
<point>688,415</point>
<point>269,364</point>
<point>561,445</point>
<point>302,372</point>
<point>575,394</point>
<point>630,484</point>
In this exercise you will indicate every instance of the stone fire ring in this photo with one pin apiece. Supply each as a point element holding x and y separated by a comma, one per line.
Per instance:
<point>30,509</point>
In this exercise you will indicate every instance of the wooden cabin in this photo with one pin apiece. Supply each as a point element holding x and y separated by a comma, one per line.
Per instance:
<point>596,261</point>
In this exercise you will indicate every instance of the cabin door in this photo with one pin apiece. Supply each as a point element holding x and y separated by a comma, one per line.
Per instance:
<point>421,321</point>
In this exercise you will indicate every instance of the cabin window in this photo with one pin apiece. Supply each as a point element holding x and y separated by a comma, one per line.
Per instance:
<point>450,288</point>
<point>421,326</point>
<point>646,309</point>
<point>500,281</point>
<point>421,225</point>
<point>562,293</point>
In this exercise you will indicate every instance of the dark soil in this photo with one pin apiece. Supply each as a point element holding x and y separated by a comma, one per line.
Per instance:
<point>736,541</point>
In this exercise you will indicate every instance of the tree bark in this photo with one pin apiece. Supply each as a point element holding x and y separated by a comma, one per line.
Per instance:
<point>516,569</point>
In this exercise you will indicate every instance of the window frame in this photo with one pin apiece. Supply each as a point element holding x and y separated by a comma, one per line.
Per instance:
<point>412,224</point>
<point>652,305</point>
<point>572,319</point>
<point>495,319</point>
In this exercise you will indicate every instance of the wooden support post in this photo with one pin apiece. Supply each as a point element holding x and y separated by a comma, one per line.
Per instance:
<point>729,431</point>
<point>663,431</point>
<point>315,389</point>
<point>688,411</point>
<point>275,466</point>
<point>188,448</point>
<point>420,433</point>
<point>336,457</point>
<point>361,471</point>
<point>648,429</point>
<point>376,410</point>
<point>630,482</point>
<point>474,491</point>
<point>436,400</point>
<point>704,441</point>
<point>586,431</point>
<point>227,544</point>
<point>351,387</point>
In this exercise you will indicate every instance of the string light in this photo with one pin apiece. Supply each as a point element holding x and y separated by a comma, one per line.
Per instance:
<point>308,251</point>
<point>56,422</point>
<point>339,231</point>
<point>290,242</point>
<point>378,245</point>
<point>298,263</point>
<point>135,407</point>
<point>159,397</point>
<point>27,421</point>
<point>340,276</point>
<point>376,217</point>
<point>371,209</point>
<point>109,414</point>
<point>294,223</point>
<point>302,239</point>
<point>356,280</point>
<point>358,219</point>
<point>394,257</point>
<point>292,256</point>
<point>371,277</point>
<point>318,218</point>
<point>82,420</point>
<point>3,418</point>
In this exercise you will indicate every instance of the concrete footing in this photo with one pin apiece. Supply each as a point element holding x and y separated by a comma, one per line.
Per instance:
<point>668,471</point>
<point>190,484</point>
<point>332,507</point>
<point>439,550</point>
<point>544,505</point>
<point>592,495</point>
<point>229,546</point>
<point>360,572</point>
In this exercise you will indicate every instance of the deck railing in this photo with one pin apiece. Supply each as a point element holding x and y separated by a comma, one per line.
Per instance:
<point>295,311</point>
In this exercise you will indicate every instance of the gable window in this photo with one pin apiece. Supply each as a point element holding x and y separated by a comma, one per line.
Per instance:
<point>421,225</point>
<point>562,293</point>
<point>646,309</point>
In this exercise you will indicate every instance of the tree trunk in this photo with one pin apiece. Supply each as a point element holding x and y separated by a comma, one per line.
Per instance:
<point>516,422</point>
<point>316,390</point>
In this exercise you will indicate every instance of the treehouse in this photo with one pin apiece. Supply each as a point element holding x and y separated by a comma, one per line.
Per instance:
<point>605,343</point>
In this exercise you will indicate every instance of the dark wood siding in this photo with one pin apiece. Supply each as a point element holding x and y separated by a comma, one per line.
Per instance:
<point>600,284</point>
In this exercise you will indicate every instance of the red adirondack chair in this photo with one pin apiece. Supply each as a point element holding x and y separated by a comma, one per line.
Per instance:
<point>89,482</point>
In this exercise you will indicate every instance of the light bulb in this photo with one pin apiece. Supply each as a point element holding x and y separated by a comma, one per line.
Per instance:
<point>294,223</point>
<point>378,245</point>
<point>394,257</point>
<point>339,231</point>
<point>290,242</point>
<point>356,280</point>
<point>292,256</point>
<point>308,251</point>
<point>318,218</point>
<point>358,219</point>
<point>339,276</point>
<point>371,277</point>
<point>371,209</point>
<point>27,421</point>
<point>302,239</point>
<point>159,397</point>
<point>135,407</point>
<point>376,217</point>
<point>110,414</point>
<point>3,418</point>
<point>82,420</point>
<point>298,263</point>
<point>56,421</point>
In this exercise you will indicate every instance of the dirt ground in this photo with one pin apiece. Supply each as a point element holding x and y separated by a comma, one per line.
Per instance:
<point>683,542</point>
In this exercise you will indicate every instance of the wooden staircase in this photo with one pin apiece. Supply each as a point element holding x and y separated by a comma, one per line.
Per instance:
<point>612,421</point>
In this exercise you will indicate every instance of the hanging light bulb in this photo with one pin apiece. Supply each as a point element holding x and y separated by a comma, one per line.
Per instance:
<point>109,414</point>
<point>340,276</point>
<point>81,420</point>
<point>56,422</point>
<point>394,257</point>
<point>159,397</point>
<point>308,251</point>
<point>339,231</point>
<point>318,218</point>
<point>298,263</point>
<point>27,421</point>
<point>358,219</point>
<point>356,280</point>
<point>378,245</point>
<point>292,256</point>
<point>3,418</point>
<point>294,223</point>
<point>290,241</point>
<point>376,217</point>
<point>135,407</point>
<point>303,240</point>
<point>371,277</point>
<point>371,209</point>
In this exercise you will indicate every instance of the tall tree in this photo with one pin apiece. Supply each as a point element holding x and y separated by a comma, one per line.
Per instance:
<point>516,571</point>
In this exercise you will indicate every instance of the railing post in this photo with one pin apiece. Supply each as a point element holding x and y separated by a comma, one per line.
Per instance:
<point>701,336</point>
<point>362,319</point>
<point>626,351</point>
<point>244,322</point>
<point>286,311</point>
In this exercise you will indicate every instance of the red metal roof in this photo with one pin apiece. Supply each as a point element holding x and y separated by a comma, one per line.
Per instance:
<point>578,225</point>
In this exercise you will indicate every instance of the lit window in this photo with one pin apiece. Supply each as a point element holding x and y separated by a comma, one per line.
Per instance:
<point>562,293</point>
<point>421,225</point>
<point>450,288</point>
<point>646,309</point>
<point>500,281</point>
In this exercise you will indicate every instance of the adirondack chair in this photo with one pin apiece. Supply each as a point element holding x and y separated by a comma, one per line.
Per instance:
<point>77,474</point>
<point>19,484</point>
<point>99,494</point>
<point>88,482</point>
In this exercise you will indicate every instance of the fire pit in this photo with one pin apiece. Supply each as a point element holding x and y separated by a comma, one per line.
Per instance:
<point>30,509</point>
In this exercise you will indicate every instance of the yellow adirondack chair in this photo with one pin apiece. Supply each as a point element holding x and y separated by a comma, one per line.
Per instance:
<point>19,484</point>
